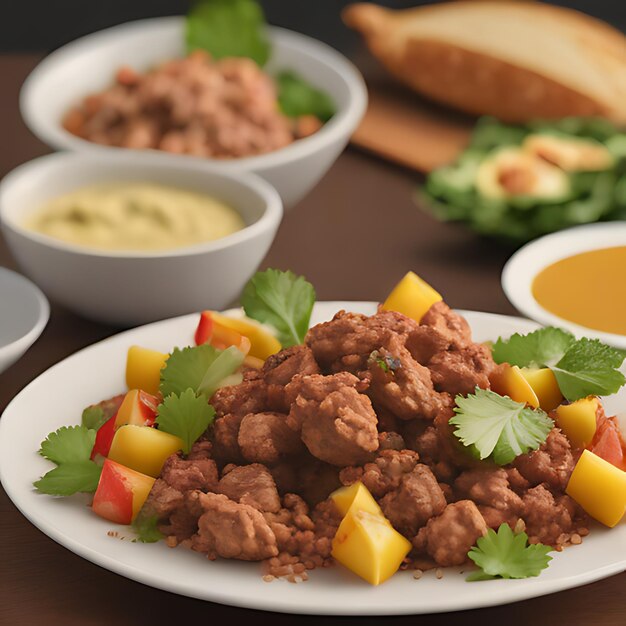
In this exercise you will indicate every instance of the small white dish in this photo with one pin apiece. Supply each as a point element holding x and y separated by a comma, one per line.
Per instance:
<point>520,271</point>
<point>130,288</point>
<point>89,64</point>
<point>24,313</point>
<point>57,398</point>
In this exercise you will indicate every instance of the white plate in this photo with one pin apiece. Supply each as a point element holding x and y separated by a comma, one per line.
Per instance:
<point>58,396</point>
<point>520,270</point>
<point>24,313</point>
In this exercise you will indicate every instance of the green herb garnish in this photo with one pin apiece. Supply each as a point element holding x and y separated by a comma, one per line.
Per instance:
<point>70,448</point>
<point>93,417</point>
<point>581,367</point>
<point>282,300</point>
<point>186,415</point>
<point>507,555</point>
<point>297,97</point>
<point>497,427</point>
<point>228,28</point>
<point>145,527</point>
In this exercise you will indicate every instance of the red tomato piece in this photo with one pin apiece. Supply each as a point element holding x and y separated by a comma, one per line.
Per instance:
<point>204,332</point>
<point>104,437</point>
<point>608,443</point>
<point>113,499</point>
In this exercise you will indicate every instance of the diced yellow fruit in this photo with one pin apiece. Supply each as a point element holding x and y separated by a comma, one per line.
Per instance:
<point>543,383</point>
<point>412,297</point>
<point>143,369</point>
<point>367,544</point>
<point>143,448</point>
<point>599,487</point>
<point>578,421</point>
<point>509,381</point>
<point>263,344</point>
<point>355,497</point>
<point>142,486</point>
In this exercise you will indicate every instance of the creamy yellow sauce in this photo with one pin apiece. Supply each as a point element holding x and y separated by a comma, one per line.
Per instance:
<point>588,289</point>
<point>137,216</point>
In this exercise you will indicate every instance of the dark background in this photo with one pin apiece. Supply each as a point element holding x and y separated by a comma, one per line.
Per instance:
<point>43,25</point>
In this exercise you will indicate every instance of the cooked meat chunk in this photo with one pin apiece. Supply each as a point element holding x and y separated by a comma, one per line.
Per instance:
<point>547,519</point>
<point>268,437</point>
<point>384,474</point>
<point>249,396</point>
<point>315,480</point>
<point>552,463</point>
<point>426,341</point>
<point>278,371</point>
<point>461,371</point>
<point>189,474</point>
<point>417,499</point>
<point>345,343</point>
<point>449,324</point>
<point>449,537</point>
<point>401,385</point>
<point>489,489</point>
<point>338,423</point>
<point>250,484</point>
<point>390,441</point>
<point>163,500</point>
<point>232,530</point>
<point>226,438</point>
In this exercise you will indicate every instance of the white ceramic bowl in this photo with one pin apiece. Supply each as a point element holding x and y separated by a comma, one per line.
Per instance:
<point>24,313</point>
<point>89,64</point>
<point>126,288</point>
<point>520,270</point>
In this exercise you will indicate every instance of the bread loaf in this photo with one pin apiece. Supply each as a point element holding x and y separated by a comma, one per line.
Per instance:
<point>514,60</point>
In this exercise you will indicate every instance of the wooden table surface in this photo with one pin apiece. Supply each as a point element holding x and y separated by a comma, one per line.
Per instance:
<point>356,234</point>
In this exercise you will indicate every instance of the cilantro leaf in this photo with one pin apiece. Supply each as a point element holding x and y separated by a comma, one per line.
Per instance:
<point>93,417</point>
<point>537,349</point>
<point>186,368</point>
<point>186,415</point>
<point>145,526</point>
<point>228,28</point>
<point>70,478</point>
<point>71,444</point>
<point>498,427</point>
<point>507,555</point>
<point>588,368</point>
<point>283,300</point>
<point>582,367</point>
<point>298,97</point>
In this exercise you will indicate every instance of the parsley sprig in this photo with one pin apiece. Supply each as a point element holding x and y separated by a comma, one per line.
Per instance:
<point>497,427</point>
<point>70,448</point>
<point>506,554</point>
<point>582,367</point>
<point>283,300</point>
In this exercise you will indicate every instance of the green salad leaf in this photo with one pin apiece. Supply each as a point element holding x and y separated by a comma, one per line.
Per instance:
<point>497,427</point>
<point>283,300</point>
<point>68,444</point>
<point>506,554</point>
<point>145,527</point>
<point>582,367</point>
<point>227,362</point>
<point>70,478</point>
<point>228,28</point>
<point>297,97</point>
<point>185,415</point>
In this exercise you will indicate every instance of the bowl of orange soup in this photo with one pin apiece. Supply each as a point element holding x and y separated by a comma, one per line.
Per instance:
<point>575,279</point>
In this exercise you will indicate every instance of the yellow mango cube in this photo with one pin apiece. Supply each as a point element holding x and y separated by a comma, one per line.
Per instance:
<point>543,382</point>
<point>412,297</point>
<point>143,448</point>
<point>599,487</point>
<point>509,381</point>
<point>143,369</point>
<point>367,544</point>
<point>356,497</point>
<point>263,343</point>
<point>578,421</point>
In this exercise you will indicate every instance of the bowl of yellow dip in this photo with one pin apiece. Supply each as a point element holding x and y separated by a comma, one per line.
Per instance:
<point>575,279</point>
<point>125,239</point>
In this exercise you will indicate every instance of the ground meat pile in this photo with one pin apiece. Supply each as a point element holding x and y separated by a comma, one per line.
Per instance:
<point>221,109</point>
<point>365,399</point>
